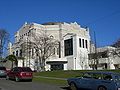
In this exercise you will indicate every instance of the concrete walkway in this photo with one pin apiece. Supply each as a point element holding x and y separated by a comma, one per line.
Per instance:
<point>51,77</point>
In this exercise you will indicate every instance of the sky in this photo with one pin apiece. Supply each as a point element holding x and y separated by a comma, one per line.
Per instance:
<point>101,16</point>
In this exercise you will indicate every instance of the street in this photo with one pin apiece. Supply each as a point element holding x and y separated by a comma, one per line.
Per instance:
<point>12,85</point>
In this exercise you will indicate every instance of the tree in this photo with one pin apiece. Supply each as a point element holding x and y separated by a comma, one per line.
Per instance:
<point>3,38</point>
<point>13,59</point>
<point>116,44</point>
<point>44,46</point>
<point>23,52</point>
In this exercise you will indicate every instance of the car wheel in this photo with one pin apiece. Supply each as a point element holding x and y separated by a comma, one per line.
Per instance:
<point>7,78</point>
<point>102,88</point>
<point>73,86</point>
<point>17,79</point>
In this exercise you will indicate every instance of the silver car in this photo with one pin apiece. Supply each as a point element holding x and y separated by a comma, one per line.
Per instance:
<point>3,71</point>
<point>95,81</point>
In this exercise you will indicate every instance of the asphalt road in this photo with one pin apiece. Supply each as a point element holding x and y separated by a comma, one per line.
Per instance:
<point>12,85</point>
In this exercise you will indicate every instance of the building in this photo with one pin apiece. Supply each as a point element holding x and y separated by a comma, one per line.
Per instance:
<point>106,58</point>
<point>71,53</point>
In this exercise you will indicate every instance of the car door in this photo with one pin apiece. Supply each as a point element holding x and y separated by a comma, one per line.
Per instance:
<point>86,81</point>
<point>107,81</point>
<point>11,74</point>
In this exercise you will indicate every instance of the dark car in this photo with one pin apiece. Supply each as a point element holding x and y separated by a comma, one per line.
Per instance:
<point>3,71</point>
<point>20,73</point>
<point>95,81</point>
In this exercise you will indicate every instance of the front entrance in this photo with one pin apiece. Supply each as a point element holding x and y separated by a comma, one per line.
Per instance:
<point>57,67</point>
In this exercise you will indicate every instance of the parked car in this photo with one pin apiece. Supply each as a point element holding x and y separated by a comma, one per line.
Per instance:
<point>3,71</point>
<point>20,73</point>
<point>95,81</point>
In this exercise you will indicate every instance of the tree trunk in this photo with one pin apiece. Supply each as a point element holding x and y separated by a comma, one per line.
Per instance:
<point>12,64</point>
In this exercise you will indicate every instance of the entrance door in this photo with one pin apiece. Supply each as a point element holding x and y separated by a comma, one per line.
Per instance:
<point>57,67</point>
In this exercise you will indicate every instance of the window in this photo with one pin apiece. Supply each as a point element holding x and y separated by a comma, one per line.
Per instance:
<point>107,77</point>
<point>86,44</point>
<point>57,51</point>
<point>87,75</point>
<point>83,43</point>
<point>2,68</point>
<point>15,70</point>
<point>20,52</point>
<point>32,52</point>
<point>68,44</point>
<point>57,67</point>
<point>117,78</point>
<point>17,53</point>
<point>97,76</point>
<point>13,53</point>
<point>80,42</point>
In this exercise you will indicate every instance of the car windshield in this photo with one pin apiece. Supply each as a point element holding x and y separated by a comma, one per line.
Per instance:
<point>87,75</point>
<point>2,68</point>
<point>26,69</point>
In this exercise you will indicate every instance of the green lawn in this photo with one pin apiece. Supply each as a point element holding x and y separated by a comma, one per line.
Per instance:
<point>60,74</point>
<point>50,81</point>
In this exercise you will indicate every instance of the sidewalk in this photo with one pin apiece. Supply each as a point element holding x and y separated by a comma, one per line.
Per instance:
<point>51,77</point>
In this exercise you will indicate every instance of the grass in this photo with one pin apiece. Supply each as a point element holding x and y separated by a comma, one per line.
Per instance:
<point>50,81</point>
<point>60,74</point>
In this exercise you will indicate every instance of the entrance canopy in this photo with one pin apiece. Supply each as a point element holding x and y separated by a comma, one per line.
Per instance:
<point>57,61</point>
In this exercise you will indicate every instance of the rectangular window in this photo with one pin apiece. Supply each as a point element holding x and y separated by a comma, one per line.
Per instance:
<point>83,43</point>
<point>80,42</point>
<point>54,50</point>
<point>68,44</point>
<point>57,51</point>
<point>20,52</point>
<point>32,52</point>
<point>17,53</point>
<point>13,53</point>
<point>86,44</point>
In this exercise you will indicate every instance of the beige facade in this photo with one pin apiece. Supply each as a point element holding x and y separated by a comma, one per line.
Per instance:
<point>107,58</point>
<point>60,32</point>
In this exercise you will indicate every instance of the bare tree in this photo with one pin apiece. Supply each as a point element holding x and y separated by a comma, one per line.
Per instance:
<point>44,46</point>
<point>117,46</point>
<point>3,38</point>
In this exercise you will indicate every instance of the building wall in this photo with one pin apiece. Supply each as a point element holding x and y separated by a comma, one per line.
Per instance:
<point>60,32</point>
<point>110,61</point>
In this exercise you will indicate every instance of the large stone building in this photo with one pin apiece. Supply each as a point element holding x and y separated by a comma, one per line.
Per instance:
<point>73,49</point>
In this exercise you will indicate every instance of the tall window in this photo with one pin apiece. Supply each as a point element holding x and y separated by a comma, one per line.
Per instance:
<point>54,51</point>
<point>83,43</point>
<point>86,44</point>
<point>57,51</point>
<point>68,44</point>
<point>13,53</point>
<point>20,52</point>
<point>80,44</point>
<point>17,53</point>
